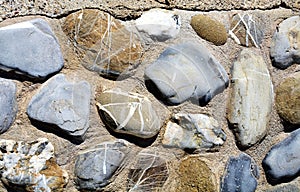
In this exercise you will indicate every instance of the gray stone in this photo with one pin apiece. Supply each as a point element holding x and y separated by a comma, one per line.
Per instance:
<point>30,166</point>
<point>128,113</point>
<point>63,104</point>
<point>282,163</point>
<point>284,188</point>
<point>95,167</point>
<point>251,98</point>
<point>193,131</point>
<point>8,104</point>
<point>241,174</point>
<point>186,71</point>
<point>30,48</point>
<point>285,44</point>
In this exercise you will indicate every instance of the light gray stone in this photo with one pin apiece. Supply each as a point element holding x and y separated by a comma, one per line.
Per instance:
<point>186,71</point>
<point>30,48</point>
<point>284,188</point>
<point>63,104</point>
<point>285,44</point>
<point>251,98</point>
<point>193,131</point>
<point>8,104</point>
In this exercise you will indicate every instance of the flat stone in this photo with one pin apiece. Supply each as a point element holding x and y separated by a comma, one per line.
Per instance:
<point>241,174</point>
<point>158,25</point>
<point>284,188</point>
<point>288,100</point>
<point>251,98</point>
<point>8,104</point>
<point>63,104</point>
<point>105,45</point>
<point>285,44</point>
<point>30,48</point>
<point>186,71</point>
<point>31,166</point>
<point>128,113</point>
<point>95,167</point>
<point>209,29</point>
<point>282,163</point>
<point>193,131</point>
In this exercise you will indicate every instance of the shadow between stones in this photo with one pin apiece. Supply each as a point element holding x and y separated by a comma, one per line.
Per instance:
<point>289,127</point>
<point>51,128</point>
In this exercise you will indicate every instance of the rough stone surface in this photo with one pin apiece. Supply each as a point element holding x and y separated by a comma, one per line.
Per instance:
<point>193,131</point>
<point>241,174</point>
<point>30,166</point>
<point>209,29</point>
<point>288,99</point>
<point>284,188</point>
<point>251,98</point>
<point>128,113</point>
<point>186,71</point>
<point>285,44</point>
<point>64,104</point>
<point>282,163</point>
<point>8,104</point>
<point>158,25</point>
<point>30,48</point>
<point>95,167</point>
<point>106,46</point>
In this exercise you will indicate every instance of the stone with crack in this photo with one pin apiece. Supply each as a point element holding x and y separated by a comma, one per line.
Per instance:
<point>30,166</point>
<point>193,131</point>
<point>63,105</point>
<point>30,48</point>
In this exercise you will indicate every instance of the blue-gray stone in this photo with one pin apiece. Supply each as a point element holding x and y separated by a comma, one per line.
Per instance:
<point>186,71</point>
<point>282,163</point>
<point>8,104</point>
<point>64,104</point>
<point>241,174</point>
<point>95,167</point>
<point>30,48</point>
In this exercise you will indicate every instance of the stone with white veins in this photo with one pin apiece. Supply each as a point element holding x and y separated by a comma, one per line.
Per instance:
<point>8,104</point>
<point>63,104</point>
<point>251,98</point>
<point>158,25</point>
<point>30,48</point>
<point>193,131</point>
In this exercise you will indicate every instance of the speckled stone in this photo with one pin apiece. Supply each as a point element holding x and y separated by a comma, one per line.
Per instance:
<point>284,188</point>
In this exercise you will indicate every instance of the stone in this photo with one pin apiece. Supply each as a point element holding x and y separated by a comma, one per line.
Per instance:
<point>209,29</point>
<point>158,25</point>
<point>128,113</point>
<point>30,48</point>
<point>8,104</point>
<point>241,174</point>
<point>195,175</point>
<point>186,71</point>
<point>95,167</point>
<point>284,50</point>
<point>287,99</point>
<point>105,45</point>
<point>30,166</point>
<point>282,163</point>
<point>284,188</point>
<point>193,131</point>
<point>247,29</point>
<point>64,105</point>
<point>251,98</point>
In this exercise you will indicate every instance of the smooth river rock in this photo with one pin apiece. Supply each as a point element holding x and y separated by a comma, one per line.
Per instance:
<point>288,99</point>
<point>30,48</point>
<point>30,166</point>
<point>193,131</point>
<point>251,98</point>
<point>128,113</point>
<point>241,174</point>
<point>95,167</point>
<point>285,44</point>
<point>64,105</point>
<point>8,104</point>
<point>186,71</point>
<point>282,163</point>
